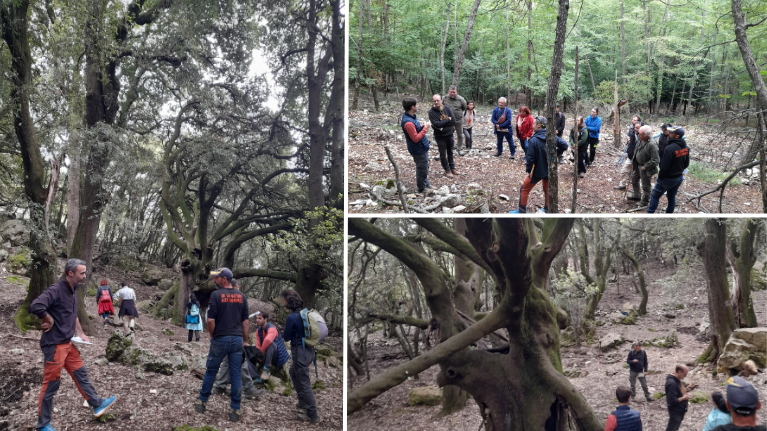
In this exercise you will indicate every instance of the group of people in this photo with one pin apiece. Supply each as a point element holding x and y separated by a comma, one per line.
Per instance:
<point>126,298</point>
<point>736,412</point>
<point>227,324</point>
<point>665,154</point>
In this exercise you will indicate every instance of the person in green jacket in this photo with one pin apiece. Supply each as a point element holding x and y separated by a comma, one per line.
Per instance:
<point>645,161</point>
<point>579,140</point>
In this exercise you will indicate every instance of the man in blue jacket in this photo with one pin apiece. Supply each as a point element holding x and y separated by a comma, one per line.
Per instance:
<point>594,124</point>
<point>537,164</point>
<point>623,418</point>
<point>502,127</point>
<point>417,144</point>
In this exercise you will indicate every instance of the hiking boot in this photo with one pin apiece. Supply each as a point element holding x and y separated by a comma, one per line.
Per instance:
<point>448,174</point>
<point>633,197</point>
<point>581,175</point>
<point>265,374</point>
<point>621,188</point>
<point>435,158</point>
<point>234,415</point>
<point>644,204</point>
<point>454,172</point>
<point>650,400</point>
<point>512,157</point>
<point>315,420</point>
<point>255,393</point>
<point>105,405</point>
<point>517,211</point>
<point>302,416</point>
<point>497,155</point>
<point>427,191</point>
<point>199,406</point>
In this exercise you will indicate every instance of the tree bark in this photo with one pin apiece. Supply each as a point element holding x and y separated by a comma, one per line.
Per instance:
<point>442,49</point>
<point>551,101</point>
<point>574,205</point>
<point>640,276</point>
<point>713,251</point>
<point>465,45</point>
<point>748,57</point>
<point>359,58</point>
<point>743,255</point>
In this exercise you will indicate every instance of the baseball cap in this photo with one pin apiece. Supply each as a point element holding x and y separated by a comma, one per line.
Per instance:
<point>677,131</point>
<point>742,396</point>
<point>222,272</point>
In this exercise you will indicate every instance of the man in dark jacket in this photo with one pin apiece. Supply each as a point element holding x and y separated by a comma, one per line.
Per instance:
<point>676,397</point>
<point>457,104</point>
<point>743,402</point>
<point>663,137</point>
<point>623,418</point>
<point>673,163</point>
<point>627,166</point>
<point>417,144</point>
<point>537,165</point>
<point>637,361</point>
<point>560,122</point>
<point>57,309</point>
<point>442,119</point>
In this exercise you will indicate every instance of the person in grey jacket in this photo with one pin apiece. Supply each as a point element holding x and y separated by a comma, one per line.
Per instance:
<point>457,104</point>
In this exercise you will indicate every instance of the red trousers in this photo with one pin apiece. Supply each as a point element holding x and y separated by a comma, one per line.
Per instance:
<point>527,186</point>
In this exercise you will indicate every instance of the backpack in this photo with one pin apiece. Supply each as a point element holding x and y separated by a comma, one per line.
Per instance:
<point>105,296</point>
<point>193,317</point>
<point>315,329</point>
<point>194,311</point>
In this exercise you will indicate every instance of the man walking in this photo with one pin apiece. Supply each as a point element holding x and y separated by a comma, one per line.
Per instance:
<point>228,329</point>
<point>56,307</point>
<point>674,161</point>
<point>645,165</point>
<point>417,144</point>
<point>458,105</point>
<point>623,418</point>
<point>442,120</point>
<point>677,397</point>
<point>637,361</point>
<point>627,166</point>
<point>537,165</point>
<point>501,120</point>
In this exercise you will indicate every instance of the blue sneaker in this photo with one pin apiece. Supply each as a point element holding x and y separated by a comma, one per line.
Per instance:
<point>100,410</point>
<point>516,211</point>
<point>47,428</point>
<point>542,210</point>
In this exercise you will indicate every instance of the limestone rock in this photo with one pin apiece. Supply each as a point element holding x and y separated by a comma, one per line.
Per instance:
<point>425,396</point>
<point>167,331</point>
<point>165,284</point>
<point>666,341</point>
<point>610,340</point>
<point>744,344</point>
<point>15,232</point>
<point>117,345</point>
<point>151,277</point>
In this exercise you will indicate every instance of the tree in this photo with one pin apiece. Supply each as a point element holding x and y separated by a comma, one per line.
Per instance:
<point>512,386</point>
<point>742,253</point>
<point>465,45</point>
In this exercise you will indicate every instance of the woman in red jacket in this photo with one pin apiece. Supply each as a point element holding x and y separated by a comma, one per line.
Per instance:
<point>524,126</point>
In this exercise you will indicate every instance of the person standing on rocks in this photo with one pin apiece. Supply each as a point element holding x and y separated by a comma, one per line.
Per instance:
<point>442,120</point>
<point>417,144</point>
<point>104,299</point>
<point>501,120</point>
<point>56,307</point>
<point>469,119</point>
<point>128,312</point>
<point>623,418</point>
<point>458,105</point>
<point>637,361</point>
<point>228,329</point>
<point>302,355</point>
<point>594,123</point>
<point>677,397</point>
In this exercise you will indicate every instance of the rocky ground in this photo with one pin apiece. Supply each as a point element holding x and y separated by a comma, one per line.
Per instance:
<point>146,400</point>
<point>491,184</point>
<point>599,372</point>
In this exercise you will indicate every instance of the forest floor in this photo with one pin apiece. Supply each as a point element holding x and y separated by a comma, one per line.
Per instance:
<point>605,370</point>
<point>146,400</point>
<point>492,184</point>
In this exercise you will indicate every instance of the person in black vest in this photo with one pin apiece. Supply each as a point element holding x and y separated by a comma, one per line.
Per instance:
<point>743,402</point>
<point>637,361</point>
<point>677,397</point>
<point>623,418</point>
<point>269,341</point>
<point>417,144</point>
<point>303,355</point>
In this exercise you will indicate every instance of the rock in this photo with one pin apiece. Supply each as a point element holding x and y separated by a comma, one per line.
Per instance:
<point>151,277</point>
<point>616,317</point>
<point>504,197</point>
<point>117,345</point>
<point>629,320</point>
<point>425,396</point>
<point>165,284</point>
<point>451,200</point>
<point>371,203</point>
<point>144,305</point>
<point>102,361</point>
<point>15,232</point>
<point>3,255</point>
<point>18,263</point>
<point>442,191</point>
<point>473,186</point>
<point>17,351</point>
<point>459,208</point>
<point>373,166</point>
<point>574,374</point>
<point>745,344</point>
<point>610,340</point>
<point>332,361</point>
<point>666,341</point>
<point>176,360</point>
<point>364,186</point>
<point>629,308</point>
<point>359,202</point>
<point>167,331</point>
<point>484,209</point>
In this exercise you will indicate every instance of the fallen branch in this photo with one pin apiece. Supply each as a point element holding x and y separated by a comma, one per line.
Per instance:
<point>395,203</point>
<point>23,338</point>
<point>397,180</point>
<point>637,209</point>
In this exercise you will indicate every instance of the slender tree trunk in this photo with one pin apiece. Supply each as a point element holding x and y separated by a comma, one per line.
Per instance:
<point>623,48</point>
<point>593,86</point>
<point>640,276</point>
<point>748,57</point>
<point>442,49</point>
<point>673,93</point>
<point>465,45</point>
<point>508,61</point>
<point>551,101</point>
<point>742,255</point>
<point>573,207</point>
<point>359,58</point>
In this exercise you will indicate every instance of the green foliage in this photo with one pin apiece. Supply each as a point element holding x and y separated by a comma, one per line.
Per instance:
<point>318,385</point>
<point>706,174</point>
<point>91,291</point>
<point>629,320</point>
<point>699,398</point>
<point>659,395</point>
<point>106,417</point>
<point>14,279</point>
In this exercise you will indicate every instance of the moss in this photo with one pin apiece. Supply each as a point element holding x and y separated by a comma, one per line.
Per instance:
<point>651,330</point>
<point>160,368</point>
<point>599,323</point>
<point>15,279</point>
<point>699,398</point>
<point>18,261</point>
<point>629,320</point>
<point>25,321</point>
<point>318,385</point>
<point>167,331</point>
<point>659,395</point>
<point>625,365</point>
<point>91,291</point>
<point>269,385</point>
<point>287,392</point>
<point>680,306</point>
<point>758,281</point>
<point>106,417</point>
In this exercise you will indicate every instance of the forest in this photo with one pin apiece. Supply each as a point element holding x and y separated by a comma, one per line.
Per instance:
<point>512,323</point>
<point>164,139</point>
<point>696,64</point>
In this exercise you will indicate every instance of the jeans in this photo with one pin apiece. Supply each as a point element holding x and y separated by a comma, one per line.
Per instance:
<point>269,356</point>
<point>467,135</point>
<point>669,186</point>
<point>499,136</point>
<point>446,144</point>
<point>299,375</point>
<point>642,380</point>
<point>674,420</point>
<point>228,346</point>
<point>523,145</point>
<point>644,177</point>
<point>421,170</point>
<point>592,148</point>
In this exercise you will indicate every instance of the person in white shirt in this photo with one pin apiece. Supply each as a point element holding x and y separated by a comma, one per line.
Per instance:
<point>128,312</point>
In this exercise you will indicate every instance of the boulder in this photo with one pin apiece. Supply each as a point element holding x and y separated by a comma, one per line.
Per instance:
<point>165,284</point>
<point>144,306</point>
<point>117,345</point>
<point>18,263</point>
<point>616,317</point>
<point>758,281</point>
<point>3,254</point>
<point>167,331</point>
<point>15,232</point>
<point>425,396</point>
<point>745,344</point>
<point>151,277</point>
<point>610,340</point>
<point>666,341</point>
<point>574,374</point>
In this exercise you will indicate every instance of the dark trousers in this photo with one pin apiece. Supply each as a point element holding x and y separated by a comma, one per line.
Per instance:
<point>421,170</point>
<point>523,144</point>
<point>58,357</point>
<point>500,137</point>
<point>303,356</point>
<point>674,420</point>
<point>269,356</point>
<point>592,148</point>
<point>467,135</point>
<point>583,154</point>
<point>636,177</point>
<point>668,186</point>
<point>445,145</point>
<point>196,336</point>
